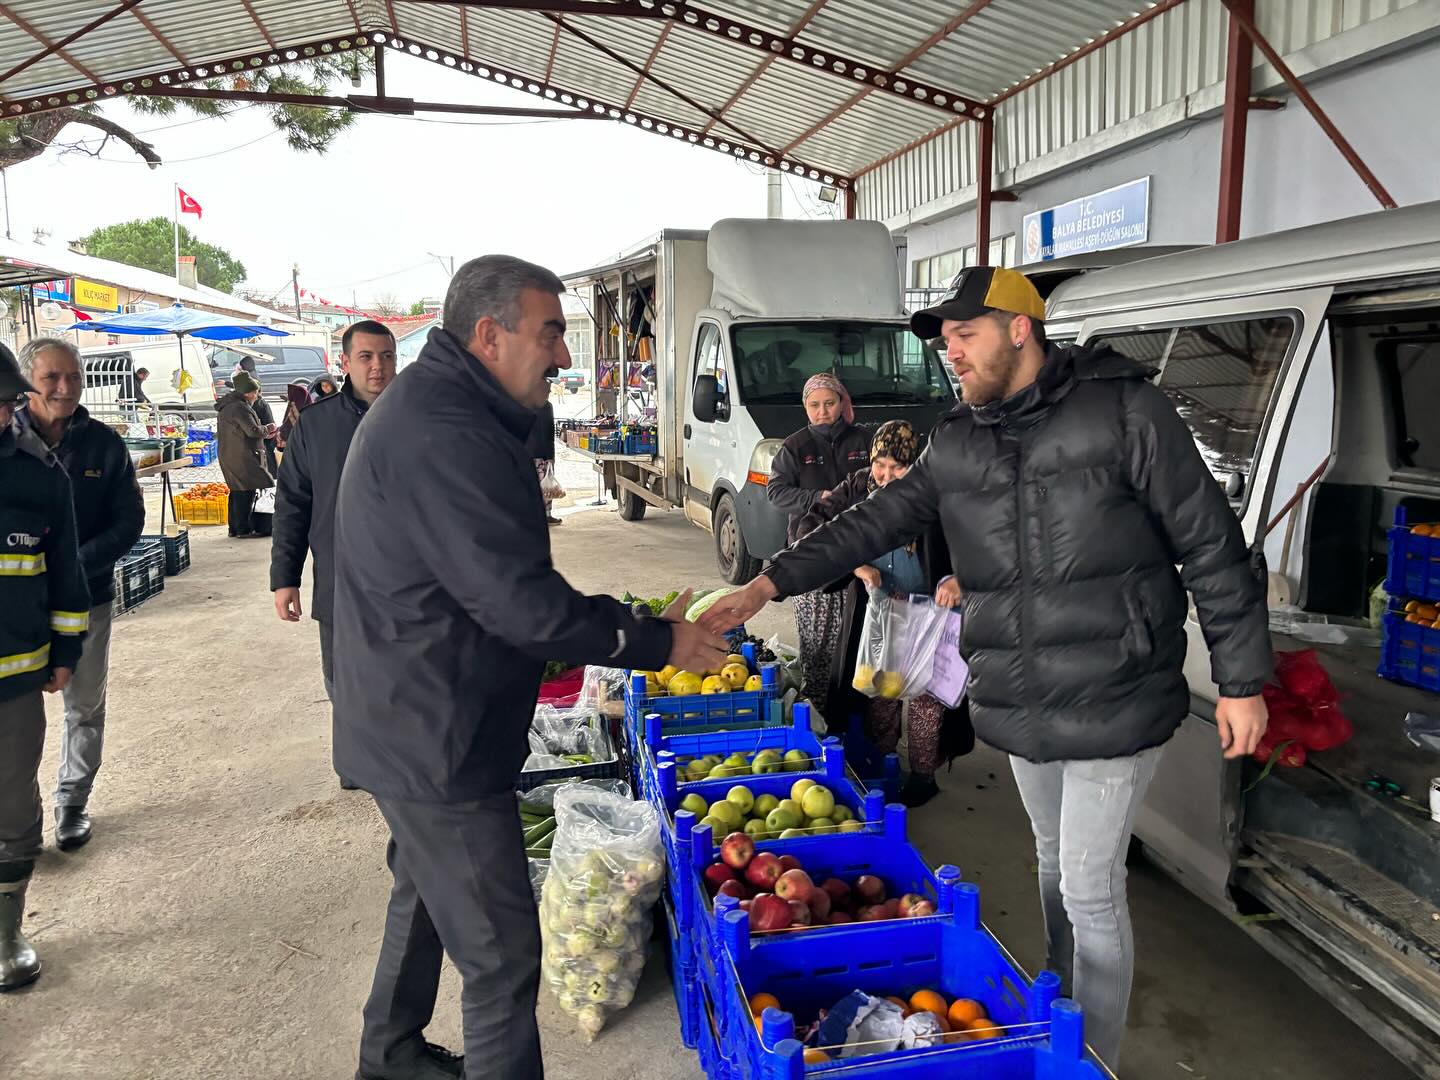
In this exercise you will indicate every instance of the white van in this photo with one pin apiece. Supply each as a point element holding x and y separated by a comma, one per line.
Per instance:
<point>110,374</point>
<point>1307,364</point>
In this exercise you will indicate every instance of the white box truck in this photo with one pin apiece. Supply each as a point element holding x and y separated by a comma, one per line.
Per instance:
<point>740,317</point>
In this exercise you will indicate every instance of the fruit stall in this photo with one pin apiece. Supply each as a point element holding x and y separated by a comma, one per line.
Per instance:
<point>806,934</point>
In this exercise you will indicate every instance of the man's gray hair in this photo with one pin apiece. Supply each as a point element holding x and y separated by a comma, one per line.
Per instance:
<point>35,346</point>
<point>491,285</point>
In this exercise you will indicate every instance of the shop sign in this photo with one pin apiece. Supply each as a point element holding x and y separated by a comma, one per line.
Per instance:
<point>53,290</point>
<point>1119,217</point>
<point>96,297</point>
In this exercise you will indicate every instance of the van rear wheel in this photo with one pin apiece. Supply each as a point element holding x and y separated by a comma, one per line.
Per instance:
<point>737,565</point>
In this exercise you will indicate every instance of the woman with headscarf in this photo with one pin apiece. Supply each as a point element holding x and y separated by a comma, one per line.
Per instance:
<point>322,387</point>
<point>810,465</point>
<point>920,567</point>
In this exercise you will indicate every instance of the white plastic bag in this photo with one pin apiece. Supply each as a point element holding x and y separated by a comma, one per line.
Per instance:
<point>606,871</point>
<point>265,501</point>
<point>550,485</point>
<point>897,646</point>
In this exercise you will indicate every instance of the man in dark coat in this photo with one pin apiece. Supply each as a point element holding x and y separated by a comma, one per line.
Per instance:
<point>309,482</point>
<point>46,605</point>
<point>1069,490</point>
<point>447,607</point>
<point>109,517</point>
<point>242,447</point>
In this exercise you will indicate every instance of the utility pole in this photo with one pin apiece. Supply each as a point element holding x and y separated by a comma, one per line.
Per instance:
<point>772,194</point>
<point>5,180</point>
<point>295,283</point>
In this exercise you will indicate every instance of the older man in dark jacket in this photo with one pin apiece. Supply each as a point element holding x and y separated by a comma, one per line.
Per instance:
<point>1069,491</point>
<point>447,607</point>
<point>109,517</point>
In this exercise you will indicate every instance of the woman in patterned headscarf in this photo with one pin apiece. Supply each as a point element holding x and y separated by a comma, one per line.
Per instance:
<point>920,567</point>
<point>812,463</point>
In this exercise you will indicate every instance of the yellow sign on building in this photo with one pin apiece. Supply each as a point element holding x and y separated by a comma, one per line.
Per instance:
<point>95,297</point>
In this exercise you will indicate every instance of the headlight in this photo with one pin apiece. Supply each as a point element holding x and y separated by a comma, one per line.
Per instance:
<point>761,459</point>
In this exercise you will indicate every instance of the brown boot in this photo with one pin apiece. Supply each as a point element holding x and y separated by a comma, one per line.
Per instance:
<point>19,966</point>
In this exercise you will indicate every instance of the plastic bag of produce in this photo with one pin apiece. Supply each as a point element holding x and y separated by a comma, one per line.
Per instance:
<point>575,734</point>
<point>606,872</point>
<point>897,646</point>
<point>603,691</point>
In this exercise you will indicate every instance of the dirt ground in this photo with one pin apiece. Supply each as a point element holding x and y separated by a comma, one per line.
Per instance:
<point>224,921</point>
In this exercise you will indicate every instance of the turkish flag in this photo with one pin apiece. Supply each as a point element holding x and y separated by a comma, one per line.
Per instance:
<point>187,204</point>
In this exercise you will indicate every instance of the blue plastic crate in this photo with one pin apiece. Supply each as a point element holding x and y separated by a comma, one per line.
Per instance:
<point>1043,1038</point>
<point>875,770</point>
<point>695,713</point>
<point>640,443</point>
<point>1409,652</point>
<point>683,978</point>
<point>1413,562</point>
<point>139,575</point>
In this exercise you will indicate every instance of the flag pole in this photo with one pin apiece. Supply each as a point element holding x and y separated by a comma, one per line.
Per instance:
<point>175,220</point>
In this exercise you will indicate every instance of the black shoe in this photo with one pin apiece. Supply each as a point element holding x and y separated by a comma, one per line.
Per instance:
<point>72,827</point>
<point>552,520</point>
<point>19,966</point>
<point>434,1063</point>
<point>918,790</point>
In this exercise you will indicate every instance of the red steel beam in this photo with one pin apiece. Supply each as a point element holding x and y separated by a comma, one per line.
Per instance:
<point>1348,152</point>
<point>1239,58</point>
<point>649,61</point>
<point>850,203</point>
<point>69,39</point>
<point>764,65</point>
<point>50,46</point>
<point>158,36</point>
<point>260,25</point>
<point>371,103</point>
<point>550,60</point>
<point>984,179</point>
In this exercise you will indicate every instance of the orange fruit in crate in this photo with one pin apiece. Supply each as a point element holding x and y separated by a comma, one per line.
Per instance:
<point>905,1008</point>
<point>929,1001</point>
<point>760,1002</point>
<point>813,1056</point>
<point>1422,530</point>
<point>984,1029</point>
<point>964,1012</point>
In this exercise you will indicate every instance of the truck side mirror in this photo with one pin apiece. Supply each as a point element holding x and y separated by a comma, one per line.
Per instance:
<point>707,399</point>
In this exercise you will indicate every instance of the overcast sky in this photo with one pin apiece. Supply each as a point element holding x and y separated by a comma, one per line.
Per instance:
<point>364,216</point>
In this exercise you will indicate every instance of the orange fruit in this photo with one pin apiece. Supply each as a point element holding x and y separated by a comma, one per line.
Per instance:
<point>928,1001</point>
<point>905,1009</point>
<point>965,1011</point>
<point>815,1057</point>
<point>759,1023</point>
<point>1421,530</point>
<point>984,1029</point>
<point>760,1002</point>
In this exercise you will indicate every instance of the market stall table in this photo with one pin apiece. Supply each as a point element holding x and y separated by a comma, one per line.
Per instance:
<point>163,470</point>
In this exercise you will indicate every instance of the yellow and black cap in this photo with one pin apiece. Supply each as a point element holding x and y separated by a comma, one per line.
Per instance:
<point>978,290</point>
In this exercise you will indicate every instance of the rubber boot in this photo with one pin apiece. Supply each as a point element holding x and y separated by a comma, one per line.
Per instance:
<point>19,966</point>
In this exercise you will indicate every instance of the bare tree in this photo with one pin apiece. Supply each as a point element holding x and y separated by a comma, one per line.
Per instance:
<point>387,304</point>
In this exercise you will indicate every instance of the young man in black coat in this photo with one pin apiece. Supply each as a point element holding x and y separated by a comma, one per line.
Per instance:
<point>1069,490</point>
<point>109,517</point>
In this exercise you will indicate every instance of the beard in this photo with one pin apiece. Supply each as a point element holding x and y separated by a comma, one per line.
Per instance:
<point>993,385</point>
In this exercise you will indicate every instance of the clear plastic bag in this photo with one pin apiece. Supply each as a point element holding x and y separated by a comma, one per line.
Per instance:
<point>607,869</point>
<point>555,733</point>
<point>897,646</point>
<point>603,691</point>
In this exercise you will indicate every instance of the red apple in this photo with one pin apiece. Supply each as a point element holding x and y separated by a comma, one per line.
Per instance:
<point>871,913</point>
<point>794,885</point>
<point>891,908</point>
<point>735,888</point>
<point>820,905</point>
<point>800,913</point>
<point>838,890</point>
<point>736,850</point>
<point>763,871</point>
<point>838,917</point>
<point>789,862</point>
<point>716,874</point>
<point>769,912</point>
<point>908,901</point>
<point>744,905</point>
<point>870,888</point>
<point>922,909</point>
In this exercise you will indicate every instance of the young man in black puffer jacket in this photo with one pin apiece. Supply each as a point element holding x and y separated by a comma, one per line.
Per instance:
<point>1078,513</point>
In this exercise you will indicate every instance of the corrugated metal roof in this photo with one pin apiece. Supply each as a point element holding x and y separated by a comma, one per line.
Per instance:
<point>779,81</point>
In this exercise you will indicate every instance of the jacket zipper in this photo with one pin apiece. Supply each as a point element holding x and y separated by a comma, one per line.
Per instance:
<point>1021,523</point>
<point>1042,510</point>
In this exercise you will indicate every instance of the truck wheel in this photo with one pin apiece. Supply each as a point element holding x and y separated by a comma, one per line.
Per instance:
<point>632,507</point>
<point>737,565</point>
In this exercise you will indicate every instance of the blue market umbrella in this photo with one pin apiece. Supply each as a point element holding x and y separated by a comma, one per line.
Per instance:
<point>181,321</point>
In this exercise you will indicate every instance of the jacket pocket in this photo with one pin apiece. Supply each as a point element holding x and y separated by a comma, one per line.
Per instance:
<point>1139,633</point>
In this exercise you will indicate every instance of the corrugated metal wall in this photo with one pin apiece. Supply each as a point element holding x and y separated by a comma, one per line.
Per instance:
<point>1162,61</point>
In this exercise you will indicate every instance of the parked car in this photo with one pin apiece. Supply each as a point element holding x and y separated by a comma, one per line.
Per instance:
<point>110,381</point>
<point>277,366</point>
<point>570,380</point>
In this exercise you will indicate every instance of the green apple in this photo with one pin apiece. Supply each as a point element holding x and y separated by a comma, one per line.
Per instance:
<point>716,826</point>
<point>821,825</point>
<point>817,802</point>
<point>851,826</point>
<point>767,761</point>
<point>727,812</point>
<point>794,809</point>
<point>756,829</point>
<point>798,789</point>
<point>696,804</point>
<point>797,761</point>
<point>780,819</point>
<point>764,804</point>
<point>794,834</point>
<point>841,814</point>
<point>742,797</point>
<point>722,771</point>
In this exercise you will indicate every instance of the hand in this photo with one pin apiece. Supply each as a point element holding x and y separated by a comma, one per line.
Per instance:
<point>59,679</point>
<point>948,594</point>
<point>730,611</point>
<point>287,604</point>
<point>693,648</point>
<point>868,576</point>
<point>1242,721</point>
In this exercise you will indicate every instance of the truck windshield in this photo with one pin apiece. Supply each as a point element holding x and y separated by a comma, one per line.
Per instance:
<point>879,363</point>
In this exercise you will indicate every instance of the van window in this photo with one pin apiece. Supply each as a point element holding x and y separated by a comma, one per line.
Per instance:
<point>1219,376</point>
<point>1411,370</point>
<point>710,359</point>
<point>879,363</point>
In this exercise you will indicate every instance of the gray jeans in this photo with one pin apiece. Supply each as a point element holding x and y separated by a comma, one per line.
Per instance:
<point>82,743</point>
<point>1082,813</point>
<point>22,742</point>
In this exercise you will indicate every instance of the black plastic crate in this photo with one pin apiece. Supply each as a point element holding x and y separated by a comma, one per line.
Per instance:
<point>177,551</point>
<point>139,575</point>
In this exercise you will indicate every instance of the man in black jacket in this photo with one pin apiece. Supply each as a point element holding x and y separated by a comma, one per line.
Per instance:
<point>447,607</point>
<point>1069,490</point>
<point>309,482</point>
<point>109,517</point>
<point>43,595</point>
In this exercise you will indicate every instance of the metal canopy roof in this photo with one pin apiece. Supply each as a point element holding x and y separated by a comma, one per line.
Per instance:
<point>820,88</point>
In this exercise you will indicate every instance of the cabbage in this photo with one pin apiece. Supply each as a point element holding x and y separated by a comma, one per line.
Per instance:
<point>699,607</point>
